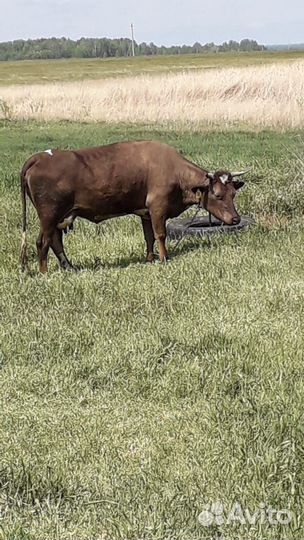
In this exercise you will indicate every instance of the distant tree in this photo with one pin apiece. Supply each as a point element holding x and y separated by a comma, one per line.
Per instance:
<point>103,48</point>
<point>250,45</point>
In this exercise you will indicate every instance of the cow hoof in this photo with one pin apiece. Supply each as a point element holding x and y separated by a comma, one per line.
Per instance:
<point>150,258</point>
<point>67,266</point>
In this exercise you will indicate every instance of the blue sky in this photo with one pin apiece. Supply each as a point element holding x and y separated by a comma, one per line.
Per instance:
<point>162,21</point>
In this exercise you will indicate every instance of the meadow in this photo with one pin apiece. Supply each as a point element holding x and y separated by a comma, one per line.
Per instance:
<point>133,395</point>
<point>44,71</point>
<point>267,95</point>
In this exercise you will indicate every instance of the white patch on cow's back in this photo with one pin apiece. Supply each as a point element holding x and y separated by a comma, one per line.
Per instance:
<point>224,178</point>
<point>49,151</point>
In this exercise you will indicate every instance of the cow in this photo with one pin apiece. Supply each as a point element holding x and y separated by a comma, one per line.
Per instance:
<point>146,178</point>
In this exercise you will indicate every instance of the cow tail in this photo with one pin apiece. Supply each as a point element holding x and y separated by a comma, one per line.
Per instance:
<point>23,256</point>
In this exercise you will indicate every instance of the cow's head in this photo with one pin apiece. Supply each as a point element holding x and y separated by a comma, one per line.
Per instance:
<point>218,194</point>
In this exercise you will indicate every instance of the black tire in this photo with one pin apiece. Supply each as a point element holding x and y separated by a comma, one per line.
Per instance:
<point>177,228</point>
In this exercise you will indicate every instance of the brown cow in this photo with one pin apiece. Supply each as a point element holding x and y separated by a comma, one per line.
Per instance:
<point>146,178</point>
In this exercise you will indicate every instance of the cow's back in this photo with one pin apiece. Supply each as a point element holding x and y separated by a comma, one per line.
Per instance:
<point>130,159</point>
<point>124,159</point>
<point>113,179</point>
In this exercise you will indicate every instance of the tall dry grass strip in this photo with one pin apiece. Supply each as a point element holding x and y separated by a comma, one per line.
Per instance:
<point>261,96</point>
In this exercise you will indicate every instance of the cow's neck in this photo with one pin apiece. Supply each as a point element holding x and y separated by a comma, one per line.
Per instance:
<point>191,178</point>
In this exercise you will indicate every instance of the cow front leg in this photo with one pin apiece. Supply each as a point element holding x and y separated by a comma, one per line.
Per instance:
<point>58,249</point>
<point>159,229</point>
<point>149,237</point>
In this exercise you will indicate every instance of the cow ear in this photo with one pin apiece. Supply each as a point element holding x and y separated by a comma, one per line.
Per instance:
<point>238,184</point>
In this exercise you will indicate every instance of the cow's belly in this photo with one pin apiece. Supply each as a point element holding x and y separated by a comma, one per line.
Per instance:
<point>99,218</point>
<point>142,212</point>
<point>67,222</point>
<point>89,205</point>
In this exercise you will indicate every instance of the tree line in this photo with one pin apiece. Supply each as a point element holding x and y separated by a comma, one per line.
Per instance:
<point>48,48</point>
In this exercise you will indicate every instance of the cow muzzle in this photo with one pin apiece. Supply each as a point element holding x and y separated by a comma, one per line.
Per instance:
<point>236,220</point>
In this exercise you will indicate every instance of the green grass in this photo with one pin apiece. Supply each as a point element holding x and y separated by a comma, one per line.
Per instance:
<point>43,71</point>
<point>132,394</point>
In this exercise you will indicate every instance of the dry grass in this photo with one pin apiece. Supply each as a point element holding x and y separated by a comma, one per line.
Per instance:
<point>261,96</point>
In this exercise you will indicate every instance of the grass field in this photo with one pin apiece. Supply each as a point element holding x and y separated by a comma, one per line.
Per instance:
<point>133,395</point>
<point>259,96</point>
<point>44,71</point>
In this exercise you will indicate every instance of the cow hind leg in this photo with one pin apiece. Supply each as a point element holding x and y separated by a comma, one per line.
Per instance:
<point>149,237</point>
<point>43,244</point>
<point>159,229</point>
<point>57,247</point>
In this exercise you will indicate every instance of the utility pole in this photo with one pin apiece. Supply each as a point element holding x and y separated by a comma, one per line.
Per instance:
<point>132,33</point>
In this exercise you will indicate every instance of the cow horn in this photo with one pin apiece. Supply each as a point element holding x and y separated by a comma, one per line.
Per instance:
<point>239,173</point>
<point>210,175</point>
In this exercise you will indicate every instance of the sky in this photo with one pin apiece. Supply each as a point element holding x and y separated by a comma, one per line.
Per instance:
<point>165,22</point>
